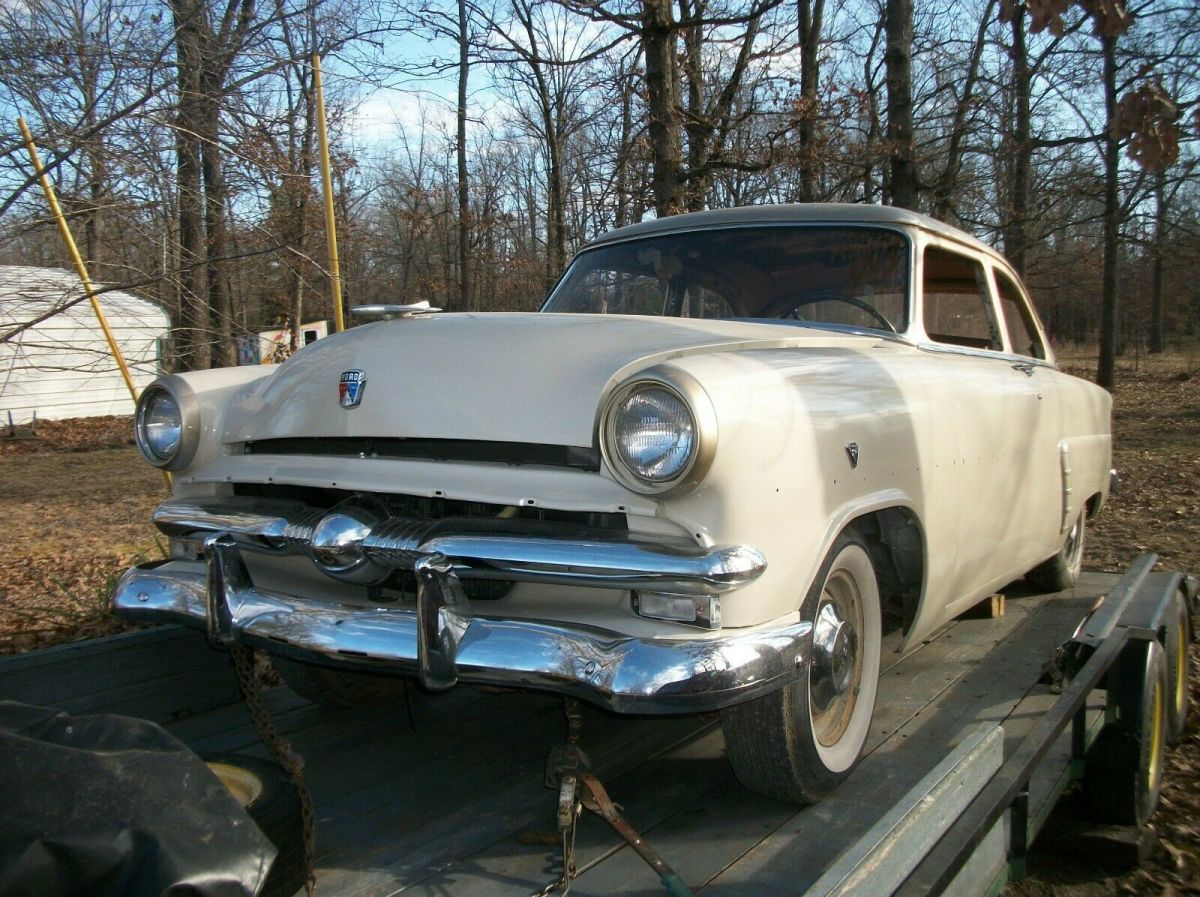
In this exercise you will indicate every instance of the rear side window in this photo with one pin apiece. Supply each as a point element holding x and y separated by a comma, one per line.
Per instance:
<point>958,307</point>
<point>1018,318</point>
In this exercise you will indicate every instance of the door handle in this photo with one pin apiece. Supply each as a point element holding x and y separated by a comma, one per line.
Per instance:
<point>1024,367</point>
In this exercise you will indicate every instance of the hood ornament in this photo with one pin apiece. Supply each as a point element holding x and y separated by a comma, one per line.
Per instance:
<point>350,388</point>
<point>388,312</point>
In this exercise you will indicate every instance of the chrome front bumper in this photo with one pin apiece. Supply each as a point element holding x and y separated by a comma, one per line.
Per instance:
<point>443,641</point>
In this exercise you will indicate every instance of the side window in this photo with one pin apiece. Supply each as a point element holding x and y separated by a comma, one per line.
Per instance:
<point>1018,318</point>
<point>617,293</point>
<point>701,302</point>
<point>958,308</point>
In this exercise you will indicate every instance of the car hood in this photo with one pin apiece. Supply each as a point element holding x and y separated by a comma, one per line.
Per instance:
<point>534,378</point>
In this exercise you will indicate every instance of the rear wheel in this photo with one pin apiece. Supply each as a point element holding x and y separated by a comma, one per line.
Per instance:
<point>347,688</point>
<point>800,742</point>
<point>1123,768</point>
<point>1061,571</point>
<point>1175,645</point>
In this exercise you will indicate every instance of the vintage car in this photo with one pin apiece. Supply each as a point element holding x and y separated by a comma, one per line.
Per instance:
<point>732,449</point>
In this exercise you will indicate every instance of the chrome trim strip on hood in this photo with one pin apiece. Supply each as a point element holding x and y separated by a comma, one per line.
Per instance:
<point>620,672</point>
<point>477,549</point>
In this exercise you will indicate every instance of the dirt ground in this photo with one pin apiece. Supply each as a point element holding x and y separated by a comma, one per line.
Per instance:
<point>77,500</point>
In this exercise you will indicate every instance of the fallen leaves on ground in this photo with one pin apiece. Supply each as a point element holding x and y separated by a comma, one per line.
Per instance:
<point>76,519</point>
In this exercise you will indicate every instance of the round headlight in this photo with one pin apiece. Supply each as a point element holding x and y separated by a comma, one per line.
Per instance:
<point>654,434</point>
<point>659,432</point>
<point>159,425</point>
<point>166,423</point>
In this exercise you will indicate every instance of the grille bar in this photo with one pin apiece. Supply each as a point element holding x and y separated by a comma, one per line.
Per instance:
<point>512,453</point>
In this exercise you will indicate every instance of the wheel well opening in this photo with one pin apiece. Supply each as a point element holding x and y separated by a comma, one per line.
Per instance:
<point>897,548</point>
<point>1093,505</point>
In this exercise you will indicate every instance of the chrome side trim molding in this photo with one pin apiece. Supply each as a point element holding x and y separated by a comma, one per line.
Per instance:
<point>493,549</point>
<point>444,645</point>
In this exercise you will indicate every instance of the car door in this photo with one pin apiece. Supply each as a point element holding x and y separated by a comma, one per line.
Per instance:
<point>992,484</point>
<point>1076,449</point>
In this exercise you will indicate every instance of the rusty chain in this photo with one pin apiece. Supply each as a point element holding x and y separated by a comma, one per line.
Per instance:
<point>250,678</point>
<point>569,770</point>
<point>563,768</point>
<point>563,882</point>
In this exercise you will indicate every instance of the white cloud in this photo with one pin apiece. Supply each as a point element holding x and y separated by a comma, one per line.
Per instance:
<point>382,115</point>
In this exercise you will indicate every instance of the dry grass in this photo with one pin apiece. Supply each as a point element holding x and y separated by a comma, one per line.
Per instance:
<point>76,519</point>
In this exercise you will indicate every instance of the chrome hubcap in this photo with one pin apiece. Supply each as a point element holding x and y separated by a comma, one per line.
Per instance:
<point>1074,547</point>
<point>836,671</point>
<point>833,656</point>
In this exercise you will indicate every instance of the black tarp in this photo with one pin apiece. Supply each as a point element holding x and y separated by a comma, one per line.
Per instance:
<point>109,805</point>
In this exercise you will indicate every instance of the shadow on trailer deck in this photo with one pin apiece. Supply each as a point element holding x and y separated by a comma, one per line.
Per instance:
<point>445,795</point>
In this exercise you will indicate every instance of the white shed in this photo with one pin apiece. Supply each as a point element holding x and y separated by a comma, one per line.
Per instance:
<point>61,366</point>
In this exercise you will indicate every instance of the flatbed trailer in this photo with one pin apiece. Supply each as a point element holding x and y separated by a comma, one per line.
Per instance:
<point>972,743</point>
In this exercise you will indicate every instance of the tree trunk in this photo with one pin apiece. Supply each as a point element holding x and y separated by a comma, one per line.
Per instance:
<point>300,198</point>
<point>902,179</point>
<point>1106,373</point>
<point>1157,334</point>
<point>662,97</point>
<point>809,14</point>
<point>460,145</point>
<point>697,125</point>
<point>870,150</point>
<point>1016,237</point>
<point>224,353</point>
<point>556,218</point>
<point>94,236</point>
<point>193,342</point>
<point>625,150</point>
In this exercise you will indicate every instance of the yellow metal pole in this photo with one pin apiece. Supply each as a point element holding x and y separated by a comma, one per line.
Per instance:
<point>80,268</point>
<point>77,261</point>
<point>335,271</point>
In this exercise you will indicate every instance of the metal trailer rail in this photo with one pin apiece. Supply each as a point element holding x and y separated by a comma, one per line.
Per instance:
<point>1135,613</point>
<point>967,754</point>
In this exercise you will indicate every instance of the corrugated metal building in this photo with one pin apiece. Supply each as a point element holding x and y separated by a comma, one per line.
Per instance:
<point>61,367</point>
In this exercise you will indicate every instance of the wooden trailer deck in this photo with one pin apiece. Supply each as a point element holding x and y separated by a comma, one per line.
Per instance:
<point>445,796</point>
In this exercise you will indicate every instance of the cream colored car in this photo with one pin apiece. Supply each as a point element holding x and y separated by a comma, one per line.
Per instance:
<point>730,447</point>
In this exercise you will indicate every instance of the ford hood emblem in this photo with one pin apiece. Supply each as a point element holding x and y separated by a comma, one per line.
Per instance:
<point>350,388</point>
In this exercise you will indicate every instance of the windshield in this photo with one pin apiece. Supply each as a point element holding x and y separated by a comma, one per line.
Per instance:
<point>844,276</point>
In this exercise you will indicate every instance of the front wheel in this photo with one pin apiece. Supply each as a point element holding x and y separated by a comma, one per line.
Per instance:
<point>802,741</point>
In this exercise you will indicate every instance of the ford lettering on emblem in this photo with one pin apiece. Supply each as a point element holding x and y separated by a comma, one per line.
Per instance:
<point>350,389</point>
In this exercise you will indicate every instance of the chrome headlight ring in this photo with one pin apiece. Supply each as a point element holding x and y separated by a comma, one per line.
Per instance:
<point>661,386</point>
<point>162,442</point>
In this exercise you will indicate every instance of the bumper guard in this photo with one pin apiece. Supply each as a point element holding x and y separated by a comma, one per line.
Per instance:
<point>443,641</point>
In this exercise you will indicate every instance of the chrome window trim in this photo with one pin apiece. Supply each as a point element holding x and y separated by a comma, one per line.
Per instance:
<point>1000,266</point>
<point>904,230</point>
<point>990,354</point>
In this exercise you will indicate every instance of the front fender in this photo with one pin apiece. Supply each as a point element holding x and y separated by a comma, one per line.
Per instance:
<point>808,441</point>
